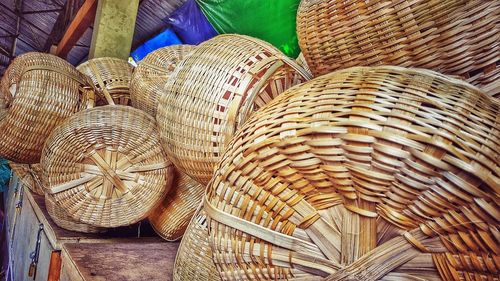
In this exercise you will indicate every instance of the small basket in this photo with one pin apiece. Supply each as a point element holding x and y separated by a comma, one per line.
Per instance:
<point>367,173</point>
<point>105,167</point>
<point>212,91</point>
<point>30,175</point>
<point>171,218</point>
<point>151,73</point>
<point>111,77</point>
<point>453,37</point>
<point>43,91</point>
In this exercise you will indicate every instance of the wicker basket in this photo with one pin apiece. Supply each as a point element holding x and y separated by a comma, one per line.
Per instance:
<point>171,218</point>
<point>362,174</point>
<point>301,60</point>
<point>111,77</point>
<point>43,91</point>
<point>30,176</point>
<point>194,257</point>
<point>455,37</point>
<point>61,218</point>
<point>213,90</point>
<point>151,74</point>
<point>105,166</point>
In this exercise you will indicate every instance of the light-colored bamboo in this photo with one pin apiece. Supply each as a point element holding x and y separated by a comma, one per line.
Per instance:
<point>111,77</point>
<point>38,92</point>
<point>151,73</point>
<point>105,167</point>
<point>455,37</point>
<point>212,91</point>
<point>30,175</point>
<point>366,173</point>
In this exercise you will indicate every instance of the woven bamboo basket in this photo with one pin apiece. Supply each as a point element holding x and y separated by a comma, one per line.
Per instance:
<point>105,167</point>
<point>30,175</point>
<point>212,91</point>
<point>43,91</point>
<point>380,173</point>
<point>301,60</point>
<point>61,218</point>
<point>194,257</point>
<point>455,37</point>
<point>111,77</point>
<point>151,74</point>
<point>171,218</point>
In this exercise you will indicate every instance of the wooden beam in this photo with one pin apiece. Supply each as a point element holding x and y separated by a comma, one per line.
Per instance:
<point>75,30</point>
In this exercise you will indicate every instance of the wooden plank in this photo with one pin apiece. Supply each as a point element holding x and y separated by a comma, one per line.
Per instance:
<point>75,30</point>
<point>55,266</point>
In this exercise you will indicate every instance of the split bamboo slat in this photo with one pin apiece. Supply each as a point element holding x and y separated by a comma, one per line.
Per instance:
<point>37,93</point>
<point>30,175</point>
<point>301,60</point>
<point>151,74</point>
<point>105,167</point>
<point>454,37</point>
<point>171,218</point>
<point>212,91</point>
<point>111,77</point>
<point>367,173</point>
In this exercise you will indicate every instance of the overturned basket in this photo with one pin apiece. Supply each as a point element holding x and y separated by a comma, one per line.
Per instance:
<point>151,73</point>
<point>111,77</point>
<point>171,218</point>
<point>105,167</point>
<point>455,37</point>
<point>43,91</point>
<point>30,175</point>
<point>362,174</point>
<point>212,91</point>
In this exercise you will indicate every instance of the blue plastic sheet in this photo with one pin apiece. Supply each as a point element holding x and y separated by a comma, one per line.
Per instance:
<point>165,38</point>
<point>4,175</point>
<point>190,24</point>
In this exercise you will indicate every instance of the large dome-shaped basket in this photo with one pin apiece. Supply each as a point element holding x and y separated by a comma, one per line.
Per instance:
<point>151,73</point>
<point>455,37</point>
<point>212,91</point>
<point>105,167</point>
<point>362,174</point>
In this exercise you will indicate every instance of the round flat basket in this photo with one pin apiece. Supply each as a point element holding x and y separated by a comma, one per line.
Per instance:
<point>61,218</point>
<point>111,77</point>
<point>212,91</point>
<point>368,173</point>
<point>194,257</point>
<point>171,218</point>
<point>454,37</point>
<point>105,167</point>
<point>30,175</point>
<point>43,91</point>
<point>151,74</point>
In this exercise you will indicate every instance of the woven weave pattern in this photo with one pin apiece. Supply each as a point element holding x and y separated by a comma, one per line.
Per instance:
<point>171,218</point>
<point>455,37</point>
<point>105,166</point>
<point>47,91</point>
<point>111,77</point>
<point>212,91</point>
<point>30,176</point>
<point>362,174</point>
<point>151,74</point>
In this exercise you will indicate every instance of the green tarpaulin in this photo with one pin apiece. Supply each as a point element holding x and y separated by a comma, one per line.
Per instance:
<point>270,20</point>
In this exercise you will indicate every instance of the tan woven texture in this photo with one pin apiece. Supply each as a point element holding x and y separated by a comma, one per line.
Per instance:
<point>30,175</point>
<point>212,91</point>
<point>111,75</point>
<point>45,91</point>
<point>194,257</point>
<point>151,74</point>
<point>171,218</point>
<point>61,218</point>
<point>301,60</point>
<point>455,37</point>
<point>105,166</point>
<point>362,174</point>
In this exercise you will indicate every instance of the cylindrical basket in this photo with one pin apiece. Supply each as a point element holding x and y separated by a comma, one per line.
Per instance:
<point>212,91</point>
<point>455,37</point>
<point>105,167</point>
<point>43,90</point>
<point>381,173</point>
<point>111,77</point>
<point>151,73</point>
<point>30,175</point>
